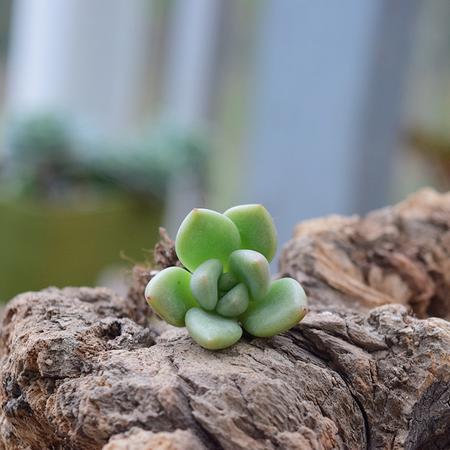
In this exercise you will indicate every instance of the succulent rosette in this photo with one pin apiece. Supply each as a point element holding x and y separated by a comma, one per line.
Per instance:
<point>225,284</point>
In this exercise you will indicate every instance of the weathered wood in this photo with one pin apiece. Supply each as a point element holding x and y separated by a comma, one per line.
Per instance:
<point>399,254</point>
<point>83,369</point>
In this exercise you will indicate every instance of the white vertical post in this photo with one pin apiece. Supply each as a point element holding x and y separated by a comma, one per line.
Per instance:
<point>192,45</point>
<point>82,57</point>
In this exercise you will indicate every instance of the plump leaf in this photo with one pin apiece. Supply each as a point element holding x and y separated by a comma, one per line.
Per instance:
<point>282,308</point>
<point>234,302</point>
<point>204,283</point>
<point>256,228</point>
<point>227,281</point>
<point>169,294</point>
<point>206,234</point>
<point>252,269</point>
<point>212,331</point>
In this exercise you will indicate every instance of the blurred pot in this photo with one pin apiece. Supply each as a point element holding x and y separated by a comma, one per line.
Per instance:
<point>46,244</point>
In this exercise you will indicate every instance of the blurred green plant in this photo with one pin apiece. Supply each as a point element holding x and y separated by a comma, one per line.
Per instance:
<point>40,139</point>
<point>40,154</point>
<point>147,163</point>
<point>49,157</point>
<point>226,283</point>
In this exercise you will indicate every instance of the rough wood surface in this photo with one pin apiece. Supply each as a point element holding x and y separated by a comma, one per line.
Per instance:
<point>399,254</point>
<point>83,369</point>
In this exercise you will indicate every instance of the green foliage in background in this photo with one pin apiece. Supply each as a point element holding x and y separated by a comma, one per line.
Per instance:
<point>51,158</point>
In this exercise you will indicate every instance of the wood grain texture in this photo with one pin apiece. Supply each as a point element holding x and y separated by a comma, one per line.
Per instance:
<point>368,367</point>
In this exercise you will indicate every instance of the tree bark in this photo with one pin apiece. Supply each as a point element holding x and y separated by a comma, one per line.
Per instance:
<point>368,367</point>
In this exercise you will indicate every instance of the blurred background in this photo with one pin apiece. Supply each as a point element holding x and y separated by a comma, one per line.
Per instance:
<point>117,116</point>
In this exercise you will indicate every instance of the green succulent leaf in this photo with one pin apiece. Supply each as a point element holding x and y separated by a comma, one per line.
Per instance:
<point>256,228</point>
<point>227,281</point>
<point>212,331</point>
<point>206,234</point>
<point>252,269</point>
<point>169,294</point>
<point>230,285</point>
<point>204,283</point>
<point>282,308</point>
<point>234,302</point>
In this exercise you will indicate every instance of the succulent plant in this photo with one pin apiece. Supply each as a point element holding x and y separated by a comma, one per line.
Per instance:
<point>225,284</point>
